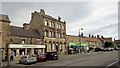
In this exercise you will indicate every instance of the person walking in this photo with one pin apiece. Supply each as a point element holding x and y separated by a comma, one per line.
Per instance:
<point>12,55</point>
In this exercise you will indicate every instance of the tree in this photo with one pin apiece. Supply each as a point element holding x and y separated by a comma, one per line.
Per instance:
<point>109,44</point>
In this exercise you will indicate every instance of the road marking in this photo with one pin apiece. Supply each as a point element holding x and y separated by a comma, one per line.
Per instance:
<point>112,63</point>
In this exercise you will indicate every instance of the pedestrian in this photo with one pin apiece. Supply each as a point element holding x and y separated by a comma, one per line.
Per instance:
<point>12,55</point>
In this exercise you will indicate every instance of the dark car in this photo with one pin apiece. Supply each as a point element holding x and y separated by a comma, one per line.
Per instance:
<point>71,51</point>
<point>51,55</point>
<point>41,57</point>
<point>98,49</point>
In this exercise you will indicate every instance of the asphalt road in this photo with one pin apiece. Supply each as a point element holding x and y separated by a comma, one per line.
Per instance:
<point>105,59</point>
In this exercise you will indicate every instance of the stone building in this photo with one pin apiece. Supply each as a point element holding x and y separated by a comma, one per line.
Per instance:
<point>117,43</point>
<point>84,42</point>
<point>52,31</point>
<point>94,42</point>
<point>108,39</point>
<point>4,33</point>
<point>21,40</point>
<point>77,42</point>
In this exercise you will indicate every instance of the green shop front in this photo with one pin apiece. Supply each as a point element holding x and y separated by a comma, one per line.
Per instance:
<point>77,47</point>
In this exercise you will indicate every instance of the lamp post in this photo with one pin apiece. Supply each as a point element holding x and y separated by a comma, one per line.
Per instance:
<point>8,55</point>
<point>79,42</point>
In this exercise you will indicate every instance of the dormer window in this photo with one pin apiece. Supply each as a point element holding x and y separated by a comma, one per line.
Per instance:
<point>23,40</point>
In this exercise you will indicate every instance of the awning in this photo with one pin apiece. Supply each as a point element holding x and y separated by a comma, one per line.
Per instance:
<point>72,44</point>
<point>84,44</point>
<point>76,44</point>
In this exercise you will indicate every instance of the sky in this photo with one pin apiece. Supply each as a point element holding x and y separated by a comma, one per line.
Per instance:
<point>94,17</point>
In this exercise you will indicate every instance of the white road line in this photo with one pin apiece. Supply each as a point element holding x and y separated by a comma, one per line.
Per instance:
<point>112,63</point>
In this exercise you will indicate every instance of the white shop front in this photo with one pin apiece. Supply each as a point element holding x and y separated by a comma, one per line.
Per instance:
<point>25,49</point>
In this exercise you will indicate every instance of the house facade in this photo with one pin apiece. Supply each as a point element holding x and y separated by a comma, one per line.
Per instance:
<point>4,33</point>
<point>52,31</point>
<point>117,43</point>
<point>84,42</point>
<point>21,40</point>
<point>94,42</point>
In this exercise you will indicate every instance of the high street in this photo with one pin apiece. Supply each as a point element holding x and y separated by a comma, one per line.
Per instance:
<point>86,59</point>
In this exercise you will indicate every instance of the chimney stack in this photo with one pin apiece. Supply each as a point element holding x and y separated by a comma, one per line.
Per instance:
<point>98,36</point>
<point>25,26</point>
<point>42,12</point>
<point>59,18</point>
<point>89,35</point>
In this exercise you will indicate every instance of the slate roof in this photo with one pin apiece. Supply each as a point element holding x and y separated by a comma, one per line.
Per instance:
<point>20,31</point>
<point>50,17</point>
<point>4,18</point>
<point>89,39</point>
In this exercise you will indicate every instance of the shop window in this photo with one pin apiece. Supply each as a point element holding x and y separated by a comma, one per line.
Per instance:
<point>53,46</point>
<point>49,46</point>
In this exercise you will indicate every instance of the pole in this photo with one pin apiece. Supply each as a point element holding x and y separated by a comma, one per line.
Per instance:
<point>0,58</point>
<point>8,56</point>
<point>79,42</point>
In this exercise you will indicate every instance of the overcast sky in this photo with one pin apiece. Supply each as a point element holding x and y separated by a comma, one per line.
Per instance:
<point>94,17</point>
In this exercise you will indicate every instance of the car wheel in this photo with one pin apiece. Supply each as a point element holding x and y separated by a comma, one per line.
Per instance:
<point>19,62</point>
<point>56,58</point>
<point>26,63</point>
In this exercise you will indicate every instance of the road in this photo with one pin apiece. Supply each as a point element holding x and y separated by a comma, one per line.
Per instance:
<point>104,59</point>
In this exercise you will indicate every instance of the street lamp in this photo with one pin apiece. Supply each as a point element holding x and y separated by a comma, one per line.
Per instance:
<point>79,42</point>
<point>80,31</point>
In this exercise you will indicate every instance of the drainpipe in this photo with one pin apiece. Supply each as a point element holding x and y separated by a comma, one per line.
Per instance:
<point>8,55</point>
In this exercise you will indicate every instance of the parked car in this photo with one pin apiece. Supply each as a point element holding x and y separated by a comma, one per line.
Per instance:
<point>98,49</point>
<point>108,49</point>
<point>71,51</point>
<point>52,55</point>
<point>41,57</point>
<point>27,59</point>
<point>116,48</point>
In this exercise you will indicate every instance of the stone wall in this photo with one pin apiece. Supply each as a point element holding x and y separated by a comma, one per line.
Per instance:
<point>5,38</point>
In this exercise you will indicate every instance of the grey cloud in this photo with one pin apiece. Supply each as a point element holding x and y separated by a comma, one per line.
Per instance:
<point>75,13</point>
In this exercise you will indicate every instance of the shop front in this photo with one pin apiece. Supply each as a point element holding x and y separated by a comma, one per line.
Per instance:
<point>78,48</point>
<point>84,48</point>
<point>24,49</point>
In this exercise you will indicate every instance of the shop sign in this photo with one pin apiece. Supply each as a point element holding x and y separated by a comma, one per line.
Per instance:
<point>25,46</point>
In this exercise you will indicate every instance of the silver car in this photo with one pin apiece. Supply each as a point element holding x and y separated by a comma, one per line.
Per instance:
<point>27,59</point>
